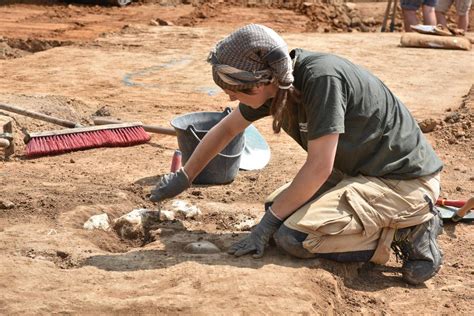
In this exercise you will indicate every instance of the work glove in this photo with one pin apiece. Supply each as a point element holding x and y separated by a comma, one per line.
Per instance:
<point>258,238</point>
<point>170,185</point>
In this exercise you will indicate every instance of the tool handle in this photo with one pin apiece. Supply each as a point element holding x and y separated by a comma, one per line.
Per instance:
<point>394,16</point>
<point>39,116</point>
<point>148,128</point>
<point>455,203</point>
<point>385,17</point>
<point>468,206</point>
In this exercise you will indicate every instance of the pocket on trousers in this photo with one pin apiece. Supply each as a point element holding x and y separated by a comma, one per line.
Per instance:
<point>369,217</point>
<point>379,207</point>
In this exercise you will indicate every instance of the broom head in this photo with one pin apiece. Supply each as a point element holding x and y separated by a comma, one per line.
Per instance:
<point>66,140</point>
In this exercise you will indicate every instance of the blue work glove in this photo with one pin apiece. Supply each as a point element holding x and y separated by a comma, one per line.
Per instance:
<point>170,185</point>
<point>258,238</point>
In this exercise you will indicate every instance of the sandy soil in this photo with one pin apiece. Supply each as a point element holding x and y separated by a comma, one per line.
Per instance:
<point>90,59</point>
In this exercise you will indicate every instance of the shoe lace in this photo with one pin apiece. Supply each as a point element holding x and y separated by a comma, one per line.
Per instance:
<point>400,245</point>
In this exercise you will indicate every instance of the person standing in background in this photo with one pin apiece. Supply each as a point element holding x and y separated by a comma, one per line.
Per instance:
<point>462,12</point>
<point>409,8</point>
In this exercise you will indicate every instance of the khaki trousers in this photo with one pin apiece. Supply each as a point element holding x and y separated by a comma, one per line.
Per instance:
<point>362,213</point>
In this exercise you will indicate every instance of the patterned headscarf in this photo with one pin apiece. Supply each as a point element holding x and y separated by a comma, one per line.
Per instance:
<point>252,55</point>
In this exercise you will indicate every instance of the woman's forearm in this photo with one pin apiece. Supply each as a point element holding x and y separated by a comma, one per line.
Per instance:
<point>213,143</point>
<point>303,187</point>
<point>310,178</point>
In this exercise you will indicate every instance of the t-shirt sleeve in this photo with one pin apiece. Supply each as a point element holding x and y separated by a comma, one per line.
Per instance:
<point>325,105</point>
<point>251,114</point>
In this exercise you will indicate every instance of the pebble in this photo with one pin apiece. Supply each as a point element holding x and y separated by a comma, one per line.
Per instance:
<point>245,225</point>
<point>5,204</point>
<point>185,208</point>
<point>201,247</point>
<point>100,221</point>
<point>162,232</point>
<point>166,215</point>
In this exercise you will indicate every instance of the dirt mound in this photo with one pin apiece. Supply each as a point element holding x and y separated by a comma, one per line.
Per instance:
<point>16,47</point>
<point>8,52</point>
<point>324,17</point>
<point>336,18</point>
<point>456,127</point>
<point>452,137</point>
<point>202,11</point>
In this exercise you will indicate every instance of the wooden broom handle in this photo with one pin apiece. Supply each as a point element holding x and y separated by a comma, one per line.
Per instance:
<point>39,116</point>
<point>148,128</point>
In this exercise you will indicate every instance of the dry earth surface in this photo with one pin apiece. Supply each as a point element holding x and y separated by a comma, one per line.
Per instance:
<point>75,61</point>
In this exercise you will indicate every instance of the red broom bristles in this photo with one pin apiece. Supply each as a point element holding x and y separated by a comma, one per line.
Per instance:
<point>56,144</point>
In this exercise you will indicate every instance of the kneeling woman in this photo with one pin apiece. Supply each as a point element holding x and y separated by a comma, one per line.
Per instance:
<point>369,178</point>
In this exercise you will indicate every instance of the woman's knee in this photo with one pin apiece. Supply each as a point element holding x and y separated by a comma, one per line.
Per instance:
<point>291,241</point>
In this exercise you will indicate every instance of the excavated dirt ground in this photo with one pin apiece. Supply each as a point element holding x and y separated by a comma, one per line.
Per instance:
<point>74,61</point>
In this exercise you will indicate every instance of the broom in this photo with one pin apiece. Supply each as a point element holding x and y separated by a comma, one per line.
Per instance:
<point>77,137</point>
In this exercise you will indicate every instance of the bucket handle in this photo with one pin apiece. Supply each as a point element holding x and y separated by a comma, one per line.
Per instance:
<point>193,131</point>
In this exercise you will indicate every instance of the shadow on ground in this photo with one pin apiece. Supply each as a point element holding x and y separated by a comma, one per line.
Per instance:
<point>359,276</point>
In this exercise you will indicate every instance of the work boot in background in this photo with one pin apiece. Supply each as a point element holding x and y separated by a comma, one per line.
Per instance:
<point>418,248</point>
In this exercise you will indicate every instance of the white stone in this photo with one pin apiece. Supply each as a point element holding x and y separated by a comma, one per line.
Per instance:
<point>166,215</point>
<point>245,225</point>
<point>135,216</point>
<point>100,221</point>
<point>185,208</point>
<point>201,247</point>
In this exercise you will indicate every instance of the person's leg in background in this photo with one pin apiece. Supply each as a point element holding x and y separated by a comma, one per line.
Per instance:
<point>441,18</point>
<point>429,16</point>
<point>462,10</point>
<point>409,8</point>
<point>442,6</point>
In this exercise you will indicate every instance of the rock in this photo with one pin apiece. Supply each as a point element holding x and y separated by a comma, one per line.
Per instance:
<point>245,225</point>
<point>185,208</point>
<point>356,21</point>
<point>369,21</point>
<point>131,225</point>
<point>428,125</point>
<point>154,23</point>
<point>452,117</point>
<point>141,216</point>
<point>103,111</point>
<point>201,247</point>
<point>350,6</point>
<point>364,28</point>
<point>161,232</point>
<point>5,204</point>
<point>345,20</point>
<point>100,221</point>
<point>164,22</point>
<point>166,215</point>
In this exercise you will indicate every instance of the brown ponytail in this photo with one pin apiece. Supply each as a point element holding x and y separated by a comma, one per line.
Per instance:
<point>284,106</point>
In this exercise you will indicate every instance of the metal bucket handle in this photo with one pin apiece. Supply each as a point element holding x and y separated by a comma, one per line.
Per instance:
<point>193,131</point>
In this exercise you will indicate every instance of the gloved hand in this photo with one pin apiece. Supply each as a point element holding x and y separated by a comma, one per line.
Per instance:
<point>170,185</point>
<point>258,238</point>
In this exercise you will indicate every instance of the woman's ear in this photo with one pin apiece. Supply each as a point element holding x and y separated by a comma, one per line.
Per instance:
<point>270,89</point>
